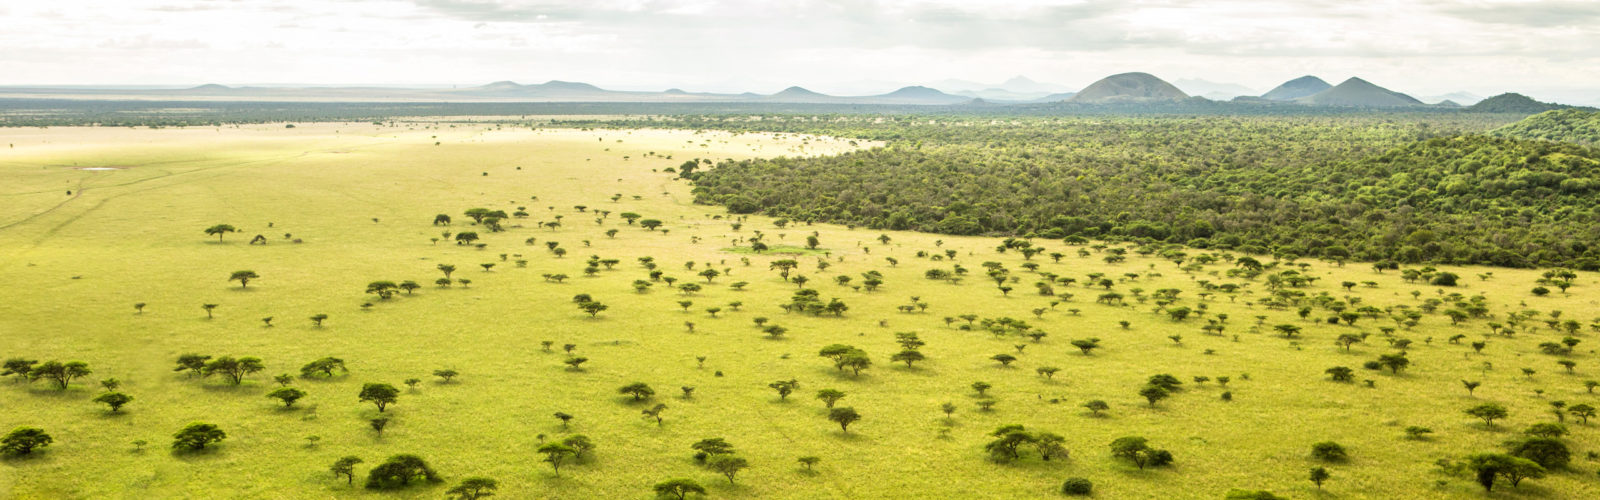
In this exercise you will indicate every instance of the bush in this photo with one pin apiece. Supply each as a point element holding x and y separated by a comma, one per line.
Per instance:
<point>1328,451</point>
<point>1160,458</point>
<point>1077,486</point>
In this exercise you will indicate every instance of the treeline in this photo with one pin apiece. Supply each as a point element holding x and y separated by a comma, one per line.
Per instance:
<point>1376,187</point>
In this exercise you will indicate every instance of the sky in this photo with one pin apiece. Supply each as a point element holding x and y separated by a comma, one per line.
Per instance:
<point>1546,49</point>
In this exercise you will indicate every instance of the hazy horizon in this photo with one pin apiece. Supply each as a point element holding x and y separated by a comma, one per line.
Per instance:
<point>1547,49</point>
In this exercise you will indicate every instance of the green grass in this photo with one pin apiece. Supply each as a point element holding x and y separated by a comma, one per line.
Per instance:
<point>75,265</point>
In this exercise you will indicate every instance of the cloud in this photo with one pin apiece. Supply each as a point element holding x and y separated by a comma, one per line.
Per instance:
<point>1424,46</point>
<point>147,42</point>
<point>1543,14</point>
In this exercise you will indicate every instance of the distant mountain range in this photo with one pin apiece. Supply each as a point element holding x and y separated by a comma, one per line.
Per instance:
<point>1118,89</point>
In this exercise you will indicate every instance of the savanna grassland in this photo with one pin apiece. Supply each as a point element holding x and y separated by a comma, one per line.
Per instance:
<point>342,205</point>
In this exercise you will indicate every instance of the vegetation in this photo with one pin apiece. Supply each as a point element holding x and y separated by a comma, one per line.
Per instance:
<point>495,415</point>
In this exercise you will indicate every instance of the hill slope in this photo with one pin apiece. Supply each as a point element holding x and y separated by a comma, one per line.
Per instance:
<point>1129,87</point>
<point>1512,102</point>
<point>1297,88</point>
<point>1360,93</point>
<point>1565,125</point>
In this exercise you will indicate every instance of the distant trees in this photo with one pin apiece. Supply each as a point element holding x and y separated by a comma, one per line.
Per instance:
<point>727,464</point>
<point>220,230</point>
<point>18,367</point>
<point>654,412</point>
<point>193,363</point>
<point>233,369</point>
<point>1487,468</point>
<point>114,400</point>
<point>785,387</point>
<point>59,373</point>
<point>346,467</point>
<point>1137,450</point>
<point>243,277</point>
<point>555,454</point>
<point>1341,374</point>
<point>324,366</point>
<point>639,390</point>
<point>196,436</point>
<point>288,395</point>
<point>24,440</point>
<point>1077,486</point>
<point>1488,412</point>
<point>473,488</point>
<point>399,471</point>
<point>844,416</point>
<point>830,396</point>
<point>678,488</point>
<point>380,395</point>
<point>1329,451</point>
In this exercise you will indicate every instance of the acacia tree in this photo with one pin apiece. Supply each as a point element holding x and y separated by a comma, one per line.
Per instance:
<point>1137,450</point>
<point>18,367</point>
<point>399,471</point>
<point>219,230</point>
<point>1488,412</point>
<point>60,373</point>
<point>727,464</point>
<point>830,396</point>
<point>844,417</point>
<point>325,366</point>
<point>381,395</point>
<point>115,400</point>
<point>785,387</point>
<point>243,277</point>
<point>288,395</point>
<point>195,436</point>
<point>555,454</point>
<point>346,467</point>
<point>654,412</point>
<point>473,488</point>
<point>678,488</point>
<point>23,440</point>
<point>639,390</point>
<point>233,369</point>
<point>1008,439</point>
<point>193,363</point>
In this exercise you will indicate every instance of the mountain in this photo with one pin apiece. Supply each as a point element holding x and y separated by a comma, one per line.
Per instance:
<point>1562,125</point>
<point>1057,97</point>
<point>800,95</point>
<point>1460,98</point>
<point>1023,85</point>
<point>1297,88</point>
<point>1000,95</point>
<point>1512,102</point>
<point>916,95</point>
<point>1356,92</point>
<point>1212,90</point>
<point>1129,87</point>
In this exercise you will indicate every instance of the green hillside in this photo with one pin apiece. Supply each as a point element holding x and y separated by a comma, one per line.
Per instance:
<point>1567,125</point>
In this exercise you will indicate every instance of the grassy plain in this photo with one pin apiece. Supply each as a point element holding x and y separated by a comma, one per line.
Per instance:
<point>361,197</point>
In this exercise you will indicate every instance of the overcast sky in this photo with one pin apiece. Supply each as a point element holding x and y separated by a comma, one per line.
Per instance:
<point>1549,49</point>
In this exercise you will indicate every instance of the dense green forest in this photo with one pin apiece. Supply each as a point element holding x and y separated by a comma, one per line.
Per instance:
<point>1424,188</point>
<point>1567,125</point>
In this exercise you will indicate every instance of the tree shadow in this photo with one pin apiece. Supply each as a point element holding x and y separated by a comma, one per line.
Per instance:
<point>210,452</point>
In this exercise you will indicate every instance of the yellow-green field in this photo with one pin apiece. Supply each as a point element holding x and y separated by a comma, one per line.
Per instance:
<point>360,198</point>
